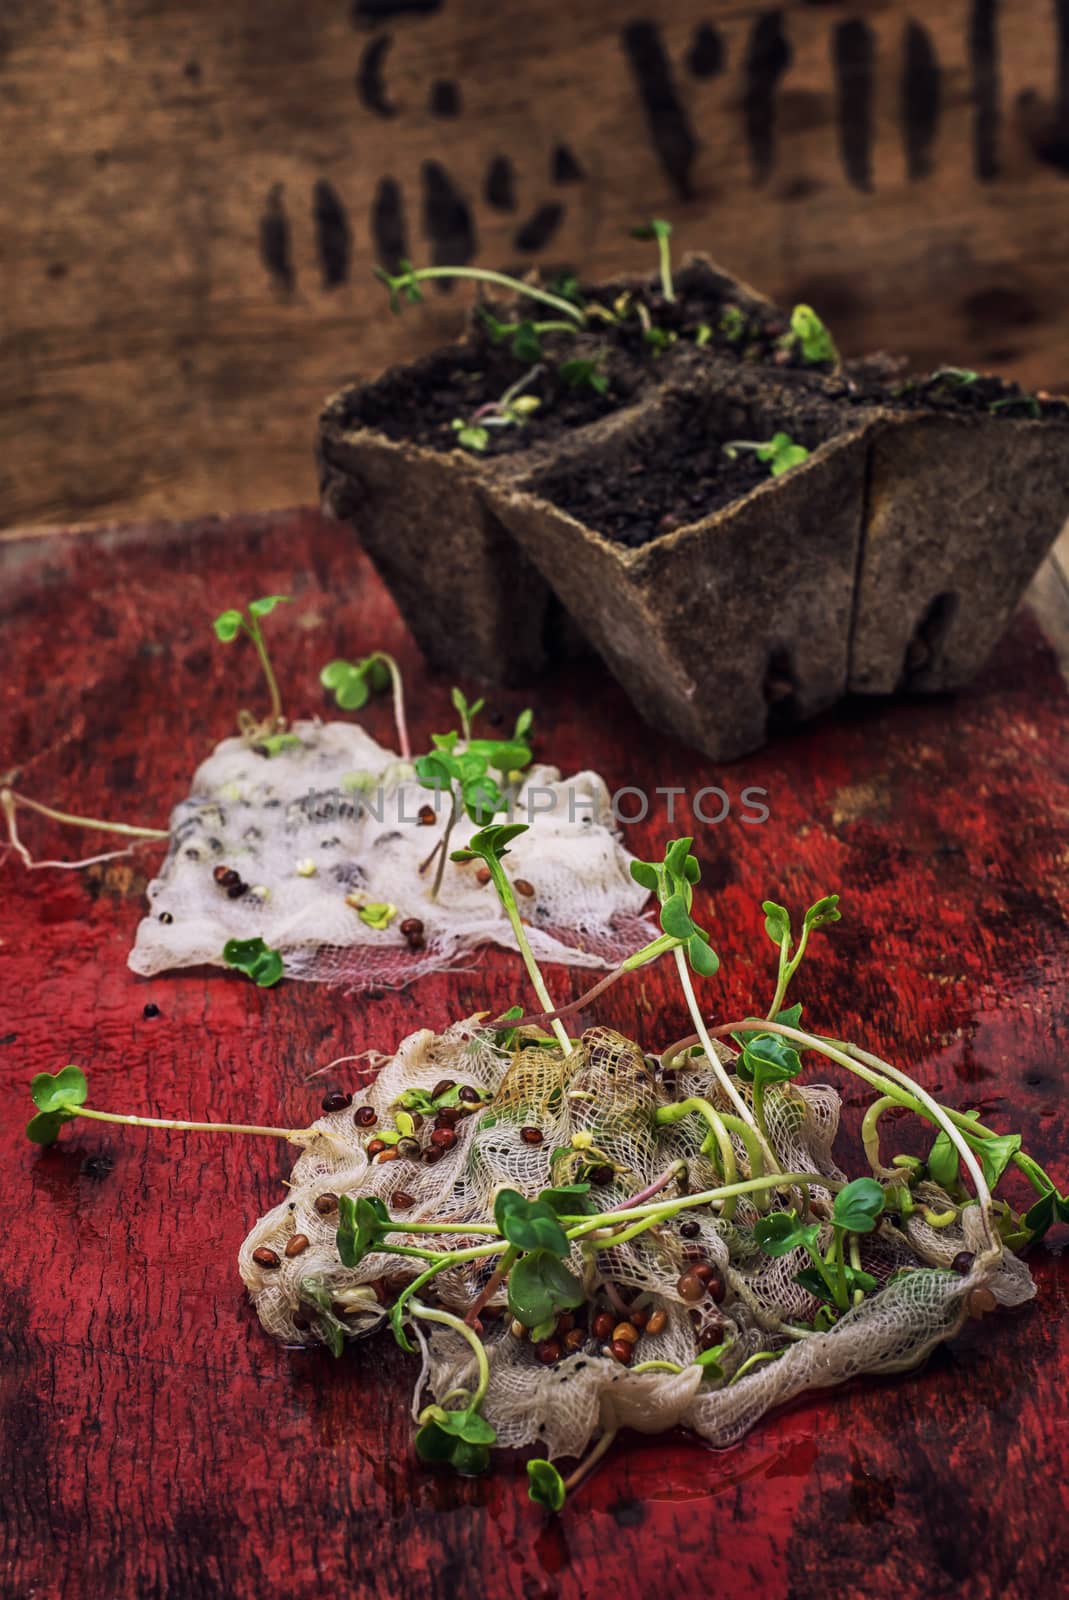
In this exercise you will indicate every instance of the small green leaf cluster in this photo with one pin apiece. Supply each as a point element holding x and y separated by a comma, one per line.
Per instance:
<point>57,1098</point>
<point>540,1286</point>
<point>354,682</point>
<point>255,959</point>
<point>545,1486</point>
<point>811,338</point>
<point>856,1210</point>
<point>230,623</point>
<point>403,286</point>
<point>673,880</point>
<point>580,374</point>
<point>460,1439</point>
<point>465,773</point>
<point>779,454</point>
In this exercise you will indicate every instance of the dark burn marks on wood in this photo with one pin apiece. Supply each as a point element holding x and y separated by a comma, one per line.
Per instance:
<point>565,168</point>
<point>369,83</point>
<point>366,13</point>
<point>669,126</point>
<point>276,248</point>
<point>768,55</point>
<point>539,228</point>
<point>444,98</point>
<point>388,224</point>
<point>983,59</point>
<point>707,55</point>
<point>499,189</point>
<point>447,220</point>
<point>334,238</point>
<point>854,55</point>
<point>920,100</point>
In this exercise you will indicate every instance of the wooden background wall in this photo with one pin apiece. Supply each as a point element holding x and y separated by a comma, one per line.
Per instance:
<point>193,195</point>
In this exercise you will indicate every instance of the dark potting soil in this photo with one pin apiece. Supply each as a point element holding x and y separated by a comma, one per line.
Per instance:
<point>643,493</point>
<point>418,404</point>
<point>743,333</point>
<point>983,395</point>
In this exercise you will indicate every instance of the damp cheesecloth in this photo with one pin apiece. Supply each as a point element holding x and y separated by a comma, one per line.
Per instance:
<point>332,826</point>
<point>609,1089</point>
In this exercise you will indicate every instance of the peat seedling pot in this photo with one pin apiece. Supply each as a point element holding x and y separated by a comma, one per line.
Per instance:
<point>392,460</point>
<point>719,595</point>
<point>961,509</point>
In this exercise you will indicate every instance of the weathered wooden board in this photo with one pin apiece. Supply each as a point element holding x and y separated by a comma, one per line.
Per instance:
<point>194,196</point>
<point>158,1447</point>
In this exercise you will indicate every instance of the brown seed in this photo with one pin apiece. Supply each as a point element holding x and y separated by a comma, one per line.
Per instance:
<point>326,1203</point>
<point>601,1176</point>
<point>962,1262</point>
<point>411,925</point>
<point>431,1155</point>
<point>548,1351</point>
<point>236,890</point>
<point>574,1339</point>
<point>689,1230</point>
<point>565,1322</point>
<point>426,815</point>
<point>443,1086</point>
<point>297,1245</point>
<point>374,1147</point>
<point>401,1201</point>
<point>389,1154</point>
<point>978,1302</point>
<point>716,1288</point>
<point>264,1257</point>
<point>639,1319</point>
<point>336,1100</point>
<point>408,1149</point>
<point>522,886</point>
<point>532,1135</point>
<point>624,1331</point>
<point>444,1138</point>
<point>226,876</point>
<point>302,1321</point>
<point>657,1323</point>
<point>703,1270</point>
<point>365,1116</point>
<point>482,875</point>
<point>603,1326</point>
<point>712,1333</point>
<point>448,1117</point>
<point>469,1095</point>
<point>622,1350</point>
<point>690,1288</point>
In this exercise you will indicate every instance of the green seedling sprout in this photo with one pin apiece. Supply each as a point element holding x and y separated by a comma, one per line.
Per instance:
<point>404,286</point>
<point>811,338</point>
<point>269,731</point>
<point>61,1098</point>
<point>733,324</point>
<point>780,453</point>
<point>513,410</point>
<point>855,1211</point>
<point>353,682</point>
<point>661,231</point>
<point>579,374</point>
<point>255,959</point>
<point>524,338</point>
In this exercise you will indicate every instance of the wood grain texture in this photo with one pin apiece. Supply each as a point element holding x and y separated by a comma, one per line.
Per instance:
<point>158,1445</point>
<point>194,196</point>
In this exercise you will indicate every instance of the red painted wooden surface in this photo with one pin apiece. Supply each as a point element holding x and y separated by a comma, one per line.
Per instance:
<point>159,1445</point>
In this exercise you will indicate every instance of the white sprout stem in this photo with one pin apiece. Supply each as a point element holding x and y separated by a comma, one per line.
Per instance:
<point>446,1318</point>
<point>10,800</point>
<point>722,1077</point>
<point>198,1127</point>
<point>400,721</point>
<point>483,275</point>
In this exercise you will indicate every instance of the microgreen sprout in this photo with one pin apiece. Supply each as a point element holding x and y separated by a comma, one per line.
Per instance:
<point>733,324</point>
<point>831,1278</point>
<point>255,959</point>
<point>61,1098</point>
<point>579,374</point>
<point>467,713</point>
<point>810,337</point>
<point>780,453</point>
<point>461,767</point>
<point>703,334</point>
<point>960,377</point>
<point>353,682</point>
<point>525,338</point>
<point>227,627</point>
<point>660,230</point>
<point>513,410</point>
<point>404,286</point>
